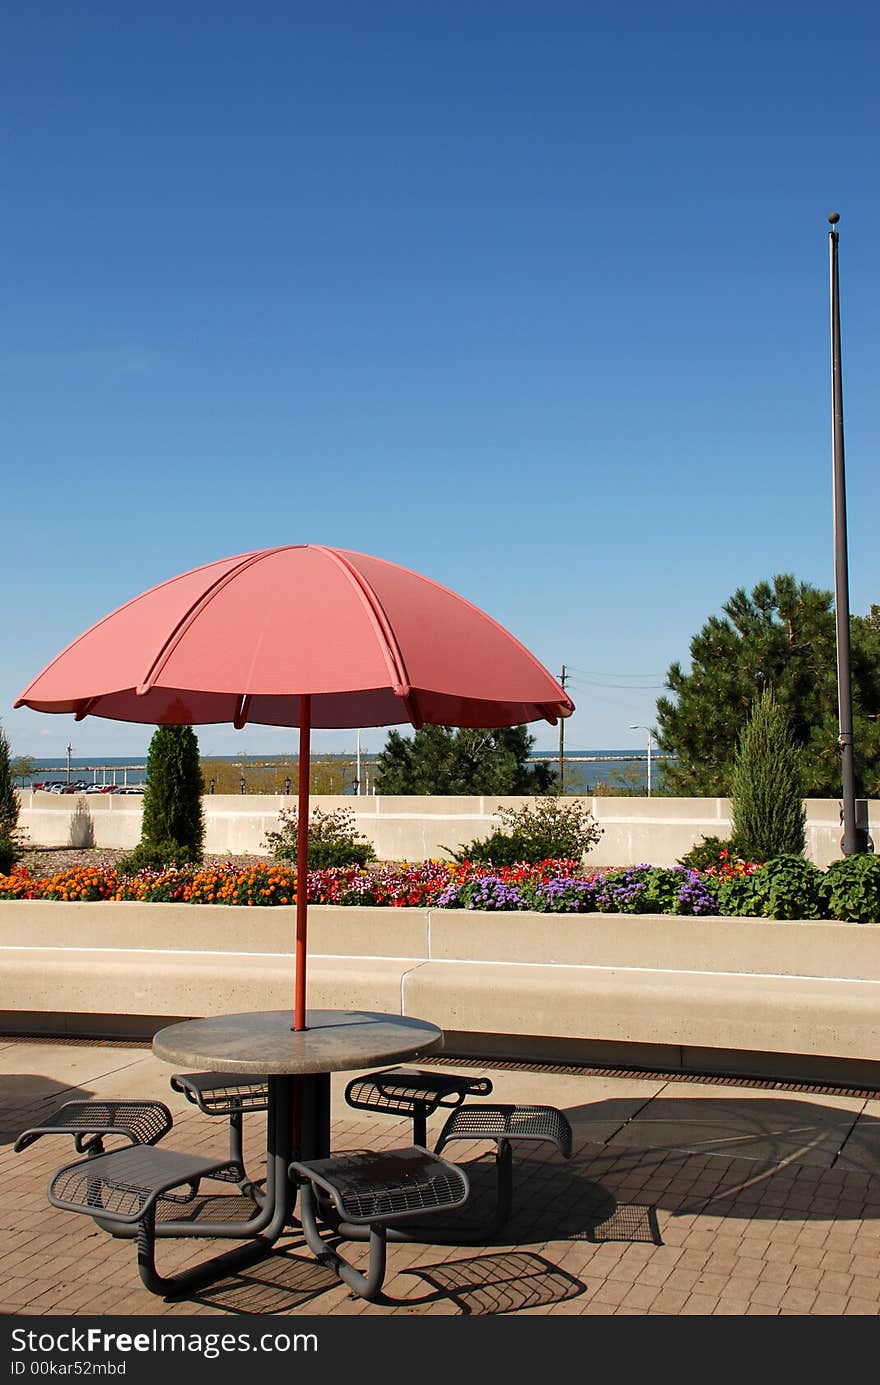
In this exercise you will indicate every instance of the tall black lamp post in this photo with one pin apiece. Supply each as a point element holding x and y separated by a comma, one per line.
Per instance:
<point>853,839</point>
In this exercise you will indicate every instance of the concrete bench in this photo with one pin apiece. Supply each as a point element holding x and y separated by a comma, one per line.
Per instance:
<point>751,997</point>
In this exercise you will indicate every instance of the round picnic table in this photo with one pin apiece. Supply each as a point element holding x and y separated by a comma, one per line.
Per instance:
<point>297,1065</point>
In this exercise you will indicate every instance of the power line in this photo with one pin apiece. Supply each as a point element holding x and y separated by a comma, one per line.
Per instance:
<point>613,673</point>
<point>628,687</point>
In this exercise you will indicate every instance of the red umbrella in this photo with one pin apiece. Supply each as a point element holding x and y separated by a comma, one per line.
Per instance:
<point>300,636</point>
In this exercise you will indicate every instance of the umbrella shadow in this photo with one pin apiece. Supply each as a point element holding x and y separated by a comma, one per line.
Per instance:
<point>26,1099</point>
<point>775,1157</point>
<point>771,1156</point>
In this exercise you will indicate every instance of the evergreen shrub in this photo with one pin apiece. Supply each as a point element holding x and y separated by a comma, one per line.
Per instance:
<point>173,824</point>
<point>767,807</point>
<point>154,856</point>
<point>710,851</point>
<point>9,800</point>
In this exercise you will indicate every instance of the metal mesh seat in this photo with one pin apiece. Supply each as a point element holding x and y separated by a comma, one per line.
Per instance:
<point>387,1186</point>
<point>505,1123</point>
<point>223,1093</point>
<point>368,1191</point>
<point>414,1092</point>
<point>141,1122</point>
<point>226,1094</point>
<point>124,1185</point>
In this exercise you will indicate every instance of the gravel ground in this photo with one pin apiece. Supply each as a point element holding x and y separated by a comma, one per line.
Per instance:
<point>49,860</point>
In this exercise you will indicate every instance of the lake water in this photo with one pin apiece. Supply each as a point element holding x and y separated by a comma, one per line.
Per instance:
<point>584,769</point>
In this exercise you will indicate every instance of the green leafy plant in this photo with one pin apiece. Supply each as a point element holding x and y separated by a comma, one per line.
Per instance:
<point>738,896</point>
<point>8,855</point>
<point>551,829</point>
<point>851,889</point>
<point>334,839</point>
<point>766,793</point>
<point>786,887</point>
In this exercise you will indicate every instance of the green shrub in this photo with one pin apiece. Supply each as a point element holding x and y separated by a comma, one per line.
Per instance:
<point>173,795</point>
<point>738,896</point>
<point>10,803</point>
<point>766,794</point>
<point>8,855</point>
<point>154,856</point>
<point>709,851</point>
<point>790,888</point>
<point>333,839</point>
<point>851,889</point>
<point>552,830</point>
<point>786,887</point>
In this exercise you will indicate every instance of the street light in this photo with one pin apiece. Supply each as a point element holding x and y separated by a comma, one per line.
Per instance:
<point>650,747</point>
<point>855,836</point>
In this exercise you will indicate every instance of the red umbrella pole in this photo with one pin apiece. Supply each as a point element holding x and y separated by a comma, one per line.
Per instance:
<point>302,862</point>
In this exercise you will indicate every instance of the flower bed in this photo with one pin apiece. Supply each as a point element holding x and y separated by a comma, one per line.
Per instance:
<point>785,888</point>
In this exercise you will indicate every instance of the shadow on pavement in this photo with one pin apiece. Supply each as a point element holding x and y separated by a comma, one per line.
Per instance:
<point>25,1099</point>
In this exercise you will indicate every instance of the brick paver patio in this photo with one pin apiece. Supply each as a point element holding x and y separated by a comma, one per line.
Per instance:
<point>680,1198</point>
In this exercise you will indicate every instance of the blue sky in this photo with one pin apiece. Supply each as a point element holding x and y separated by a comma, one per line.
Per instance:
<point>531,298</point>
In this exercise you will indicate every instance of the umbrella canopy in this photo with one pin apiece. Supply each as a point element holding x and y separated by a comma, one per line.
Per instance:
<point>303,636</point>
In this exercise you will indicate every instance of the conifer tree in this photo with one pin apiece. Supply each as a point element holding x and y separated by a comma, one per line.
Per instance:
<point>767,807</point>
<point>440,760</point>
<point>9,800</point>
<point>173,796</point>
<point>781,635</point>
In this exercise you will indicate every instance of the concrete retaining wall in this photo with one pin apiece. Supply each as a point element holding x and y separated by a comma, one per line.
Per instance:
<point>753,995</point>
<point>656,830</point>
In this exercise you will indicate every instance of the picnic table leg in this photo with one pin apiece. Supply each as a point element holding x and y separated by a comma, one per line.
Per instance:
<point>366,1285</point>
<point>255,1249</point>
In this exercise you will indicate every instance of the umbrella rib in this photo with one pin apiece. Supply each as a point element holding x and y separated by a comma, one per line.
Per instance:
<point>176,635</point>
<point>391,651</point>
<point>89,703</point>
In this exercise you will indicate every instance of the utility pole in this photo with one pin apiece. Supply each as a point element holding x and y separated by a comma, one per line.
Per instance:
<point>852,838</point>
<point>561,775</point>
<point>69,751</point>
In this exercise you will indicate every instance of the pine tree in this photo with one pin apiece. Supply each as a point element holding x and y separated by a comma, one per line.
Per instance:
<point>9,800</point>
<point>440,760</point>
<point>782,635</point>
<point>173,795</point>
<point>767,807</point>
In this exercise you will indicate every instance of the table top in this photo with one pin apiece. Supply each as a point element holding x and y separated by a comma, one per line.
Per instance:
<point>264,1041</point>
